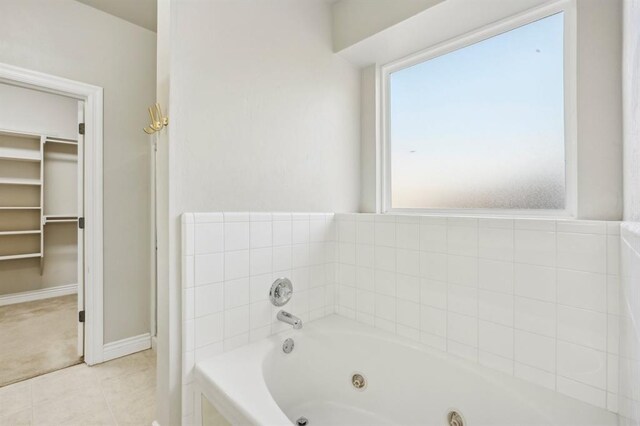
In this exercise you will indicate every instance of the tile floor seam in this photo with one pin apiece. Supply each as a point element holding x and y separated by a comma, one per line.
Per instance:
<point>31,405</point>
<point>106,400</point>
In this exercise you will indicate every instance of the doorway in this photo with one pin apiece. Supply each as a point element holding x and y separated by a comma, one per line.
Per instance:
<point>50,223</point>
<point>41,215</point>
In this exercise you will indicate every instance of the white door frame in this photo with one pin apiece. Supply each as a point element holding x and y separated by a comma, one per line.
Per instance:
<point>93,184</point>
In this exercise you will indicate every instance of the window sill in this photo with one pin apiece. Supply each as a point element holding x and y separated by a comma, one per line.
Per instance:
<point>486,213</point>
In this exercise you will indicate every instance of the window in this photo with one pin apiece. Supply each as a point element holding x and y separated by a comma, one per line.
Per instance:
<point>480,127</point>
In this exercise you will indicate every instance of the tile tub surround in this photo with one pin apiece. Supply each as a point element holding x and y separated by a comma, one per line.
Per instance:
<point>629,394</point>
<point>537,299</point>
<point>230,261</point>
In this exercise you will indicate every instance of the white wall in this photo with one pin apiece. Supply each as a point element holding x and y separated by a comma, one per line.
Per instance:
<point>599,109</point>
<point>169,344</point>
<point>369,139</point>
<point>630,248</point>
<point>68,39</point>
<point>355,20</point>
<point>442,22</point>
<point>264,117</point>
<point>631,109</point>
<point>267,119</point>
<point>599,125</point>
<point>32,111</point>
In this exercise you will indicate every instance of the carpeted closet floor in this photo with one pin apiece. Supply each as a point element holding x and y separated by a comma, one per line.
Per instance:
<point>37,338</point>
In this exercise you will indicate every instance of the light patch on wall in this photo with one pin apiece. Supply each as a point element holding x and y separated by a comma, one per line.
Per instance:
<point>140,12</point>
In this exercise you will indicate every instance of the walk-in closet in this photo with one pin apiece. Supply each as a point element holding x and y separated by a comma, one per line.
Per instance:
<point>41,178</point>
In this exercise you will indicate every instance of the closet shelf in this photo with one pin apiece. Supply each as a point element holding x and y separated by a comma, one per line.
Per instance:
<point>20,208</point>
<point>21,157</point>
<point>18,155</point>
<point>20,256</point>
<point>19,181</point>
<point>19,134</point>
<point>59,218</point>
<point>62,141</point>
<point>30,231</point>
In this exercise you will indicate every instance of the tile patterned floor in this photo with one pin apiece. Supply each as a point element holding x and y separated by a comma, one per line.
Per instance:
<point>118,392</point>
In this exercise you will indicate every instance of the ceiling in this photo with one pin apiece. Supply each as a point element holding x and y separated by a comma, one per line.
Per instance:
<point>140,12</point>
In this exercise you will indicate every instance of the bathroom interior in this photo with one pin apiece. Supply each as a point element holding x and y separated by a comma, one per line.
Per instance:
<point>320,212</point>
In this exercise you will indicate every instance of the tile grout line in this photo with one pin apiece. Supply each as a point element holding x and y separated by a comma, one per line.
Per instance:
<point>513,301</point>
<point>106,400</point>
<point>446,277</point>
<point>420,286</point>
<point>606,346</point>
<point>395,279</point>
<point>557,307</point>
<point>477,287</point>
<point>224,279</point>
<point>32,404</point>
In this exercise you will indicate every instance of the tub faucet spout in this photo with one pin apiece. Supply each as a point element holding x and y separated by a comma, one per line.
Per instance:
<point>290,319</point>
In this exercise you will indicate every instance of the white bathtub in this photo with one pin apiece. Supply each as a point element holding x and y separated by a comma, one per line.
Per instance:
<point>406,385</point>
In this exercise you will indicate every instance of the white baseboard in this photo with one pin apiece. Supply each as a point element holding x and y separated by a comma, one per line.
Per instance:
<point>45,293</point>
<point>154,343</point>
<point>126,346</point>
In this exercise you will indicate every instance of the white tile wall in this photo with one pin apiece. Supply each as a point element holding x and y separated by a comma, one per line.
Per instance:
<point>532,298</point>
<point>229,263</point>
<point>537,299</point>
<point>627,332</point>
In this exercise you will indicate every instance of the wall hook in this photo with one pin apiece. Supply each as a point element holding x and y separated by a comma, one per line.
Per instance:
<point>158,121</point>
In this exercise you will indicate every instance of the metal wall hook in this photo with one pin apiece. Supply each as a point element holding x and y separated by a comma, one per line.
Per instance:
<point>158,121</point>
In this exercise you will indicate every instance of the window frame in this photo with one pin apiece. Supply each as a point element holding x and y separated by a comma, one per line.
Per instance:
<point>567,7</point>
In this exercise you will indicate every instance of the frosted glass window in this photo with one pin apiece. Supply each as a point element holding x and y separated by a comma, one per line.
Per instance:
<point>483,126</point>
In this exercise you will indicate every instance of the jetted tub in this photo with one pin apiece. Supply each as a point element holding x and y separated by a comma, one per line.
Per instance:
<point>405,384</point>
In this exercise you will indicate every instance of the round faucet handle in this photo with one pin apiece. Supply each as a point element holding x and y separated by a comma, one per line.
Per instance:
<point>281,291</point>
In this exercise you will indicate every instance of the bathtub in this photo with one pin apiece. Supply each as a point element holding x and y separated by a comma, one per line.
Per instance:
<point>404,384</point>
